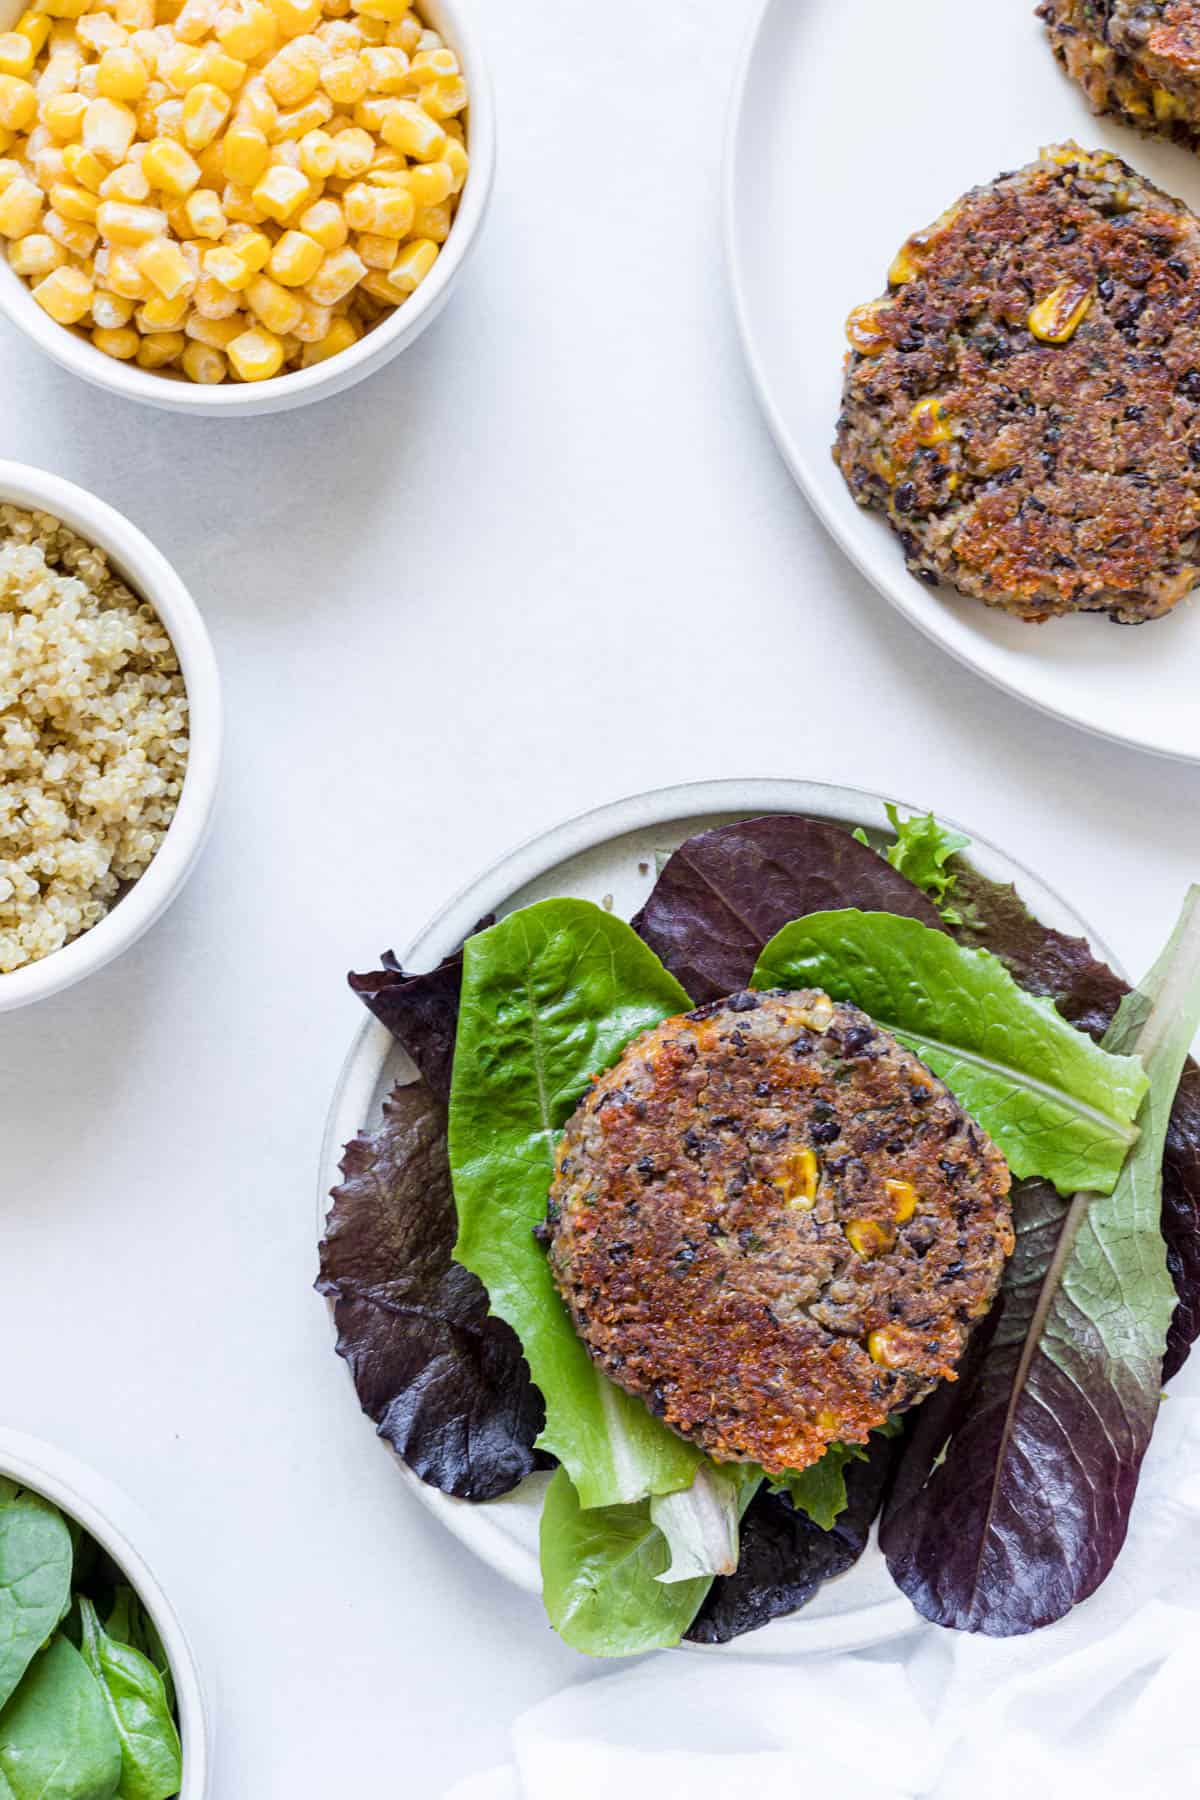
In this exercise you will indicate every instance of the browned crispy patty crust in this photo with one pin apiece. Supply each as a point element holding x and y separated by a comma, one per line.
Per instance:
<point>772,1223</point>
<point>1023,404</point>
<point>1139,59</point>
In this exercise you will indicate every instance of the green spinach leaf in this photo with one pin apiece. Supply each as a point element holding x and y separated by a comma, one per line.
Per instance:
<point>1056,1104</point>
<point>57,1741</point>
<point>602,1577</point>
<point>133,1692</point>
<point>550,997</point>
<point>130,1623</point>
<point>35,1579</point>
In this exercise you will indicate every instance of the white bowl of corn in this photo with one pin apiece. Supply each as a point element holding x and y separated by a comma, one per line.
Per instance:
<point>236,205</point>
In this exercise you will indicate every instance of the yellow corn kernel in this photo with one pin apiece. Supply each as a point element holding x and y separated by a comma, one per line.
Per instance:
<point>797,1180</point>
<point>391,12</point>
<point>295,259</point>
<point>256,107</point>
<point>864,328</point>
<point>99,31</point>
<point>458,163</point>
<point>35,27</point>
<point>160,348</point>
<point>256,355</point>
<point>376,252</point>
<point>18,103</point>
<point>134,15</point>
<point>226,73</point>
<point>370,113</point>
<point>195,20</point>
<point>121,75</point>
<point>903,1197</point>
<point>432,222</point>
<point>291,76</point>
<point>66,294</point>
<point>407,33</point>
<point>205,215</point>
<point>166,267</point>
<point>202,364</point>
<point>245,155</point>
<point>20,208</point>
<point>74,203</point>
<point>75,235</point>
<point>108,129</point>
<point>931,425</point>
<point>128,183</point>
<point>868,1238</point>
<point>161,313</point>
<point>179,66</point>
<point>35,255</point>
<point>318,155</point>
<point>341,334</point>
<point>170,168</point>
<point>120,341</point>
<point>10,170</point>
<point>408,127</point>
<point>295,18</point>
<point>303,121</point>
<point>211,299</point>
<point>325,221</point>
<point>121,223</point>
<point>17,54</point>
<point>254,247</point>
<point>355,152</point>
<point>59,76</point>
<point>382,211</point>
<point>338,275</point>
<point>345,80</point>
<point>168,121</point>
<point>412,265</point>
<point>905,266</point>
<point>313,323</point>
<point>211,165</point>
<point>249,32</point>
<point>430,66</point>
<point>63,116</point>
<point>124,277</point>
<point>110,312</point>
<point>1056,319</point>
<point>430,184</point>
<point>387,69</point>
<point>273,305</point>
<point>84,168</point>
<point>373,296</point>
<point>281,192</point>
<point>205,110</point>
<point>446,99</point>
<point>65,9</point>
<point>886,1349</point>
<point>218,333</point>
<point>240,205</point>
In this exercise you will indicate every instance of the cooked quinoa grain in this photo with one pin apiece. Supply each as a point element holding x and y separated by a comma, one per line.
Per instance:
<point>1023,404</point>
<point>772,1223</point>
<point>93,736</point>
<point>1139,59</point>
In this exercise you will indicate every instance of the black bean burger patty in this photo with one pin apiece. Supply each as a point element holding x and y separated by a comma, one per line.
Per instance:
<point>1139,59</point>
<point>772,1223</point>
<point>1023,404</point>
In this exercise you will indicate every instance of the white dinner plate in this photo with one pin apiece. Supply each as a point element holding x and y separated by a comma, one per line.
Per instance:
<point>609,856</point>
<point>854,123</point>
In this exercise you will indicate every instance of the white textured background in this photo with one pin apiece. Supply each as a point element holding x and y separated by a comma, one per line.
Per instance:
<point>547,558</point>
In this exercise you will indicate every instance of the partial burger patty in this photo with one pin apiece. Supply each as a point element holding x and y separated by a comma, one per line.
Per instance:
<point>1023,404</point>
<point>772,1223</point>
<point>1137,58</point>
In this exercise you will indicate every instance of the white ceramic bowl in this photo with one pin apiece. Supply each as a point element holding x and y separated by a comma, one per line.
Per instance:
<point>152,578</point>
<point>111,1518</point>
<point>396,333</point>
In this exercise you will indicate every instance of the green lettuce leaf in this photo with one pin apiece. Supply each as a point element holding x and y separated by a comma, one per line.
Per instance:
<point>1056,1104</point>
<point>700,1523</point>
<point>922,849</point>
<point>550,997</point>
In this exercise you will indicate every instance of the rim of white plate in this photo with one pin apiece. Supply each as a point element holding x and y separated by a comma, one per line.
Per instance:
<point>355,1102</point>
<point>896,594</point>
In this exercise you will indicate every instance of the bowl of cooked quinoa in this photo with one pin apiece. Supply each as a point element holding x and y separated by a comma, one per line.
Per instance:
<point>110,728</point>
<point>236,205</point>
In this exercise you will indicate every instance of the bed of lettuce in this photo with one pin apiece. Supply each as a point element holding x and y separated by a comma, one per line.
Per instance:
<point>1005,1498</point>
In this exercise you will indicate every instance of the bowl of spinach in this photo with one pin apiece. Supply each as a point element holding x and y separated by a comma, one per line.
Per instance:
<point>100,1696</point>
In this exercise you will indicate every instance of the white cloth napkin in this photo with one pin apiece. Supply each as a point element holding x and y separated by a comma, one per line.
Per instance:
<point>1107,1702</point>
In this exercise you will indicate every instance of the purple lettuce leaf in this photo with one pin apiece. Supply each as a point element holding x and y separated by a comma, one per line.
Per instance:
<point>785,1559</point>
<point>446,1384</point>
<point>725,893</point>
<point>1088,993</point>
<point>420,1011</point>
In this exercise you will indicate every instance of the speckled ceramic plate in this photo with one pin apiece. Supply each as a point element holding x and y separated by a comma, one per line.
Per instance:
<point>605,856</point>
<point>853,124</point>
